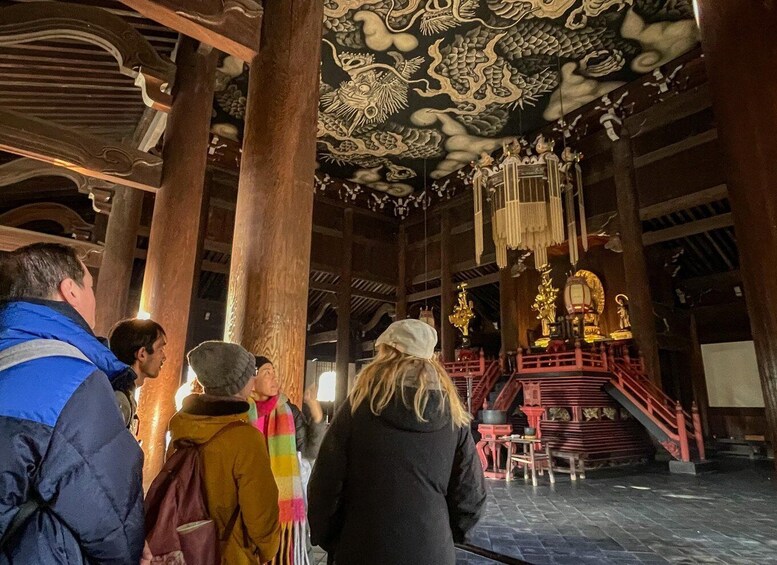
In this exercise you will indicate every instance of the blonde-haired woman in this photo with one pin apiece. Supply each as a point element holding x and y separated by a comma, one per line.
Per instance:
<point>397,480</point>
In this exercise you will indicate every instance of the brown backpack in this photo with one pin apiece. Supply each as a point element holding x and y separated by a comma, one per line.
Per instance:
<point>179,530</point>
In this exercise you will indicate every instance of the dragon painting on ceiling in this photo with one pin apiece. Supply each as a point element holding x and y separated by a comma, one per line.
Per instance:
<point>410,87</point>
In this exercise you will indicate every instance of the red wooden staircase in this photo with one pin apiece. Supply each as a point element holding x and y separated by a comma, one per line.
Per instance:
<point>662,416</point>
<point>474,379</point>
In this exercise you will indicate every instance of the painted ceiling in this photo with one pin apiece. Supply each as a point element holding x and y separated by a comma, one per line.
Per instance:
<point>410,87</point>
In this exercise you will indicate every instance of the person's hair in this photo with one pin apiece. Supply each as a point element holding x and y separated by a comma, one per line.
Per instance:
<point>392,371</point>
<point>128,336</point>
<point>36,271</point>
<point>261,360</point>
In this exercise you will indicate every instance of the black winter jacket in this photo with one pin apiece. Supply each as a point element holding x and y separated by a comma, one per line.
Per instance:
<point>390,490</point>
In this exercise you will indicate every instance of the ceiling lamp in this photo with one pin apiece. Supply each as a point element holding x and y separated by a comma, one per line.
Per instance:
<point>527,195</point>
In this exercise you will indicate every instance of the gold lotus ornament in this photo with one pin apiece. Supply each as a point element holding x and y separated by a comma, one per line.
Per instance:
<point>462,314</point>
<point>545,305</point>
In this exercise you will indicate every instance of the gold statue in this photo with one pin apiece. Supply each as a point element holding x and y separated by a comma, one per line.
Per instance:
<point>545,305</point>
<point>462,314</point>
<point>624,318</point>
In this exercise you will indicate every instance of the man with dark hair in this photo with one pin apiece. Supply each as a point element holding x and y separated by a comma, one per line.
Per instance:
<point>141,345</point>
<point>71,473</point>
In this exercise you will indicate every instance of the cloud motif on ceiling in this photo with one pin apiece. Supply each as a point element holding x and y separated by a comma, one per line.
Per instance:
<point>414,85</point>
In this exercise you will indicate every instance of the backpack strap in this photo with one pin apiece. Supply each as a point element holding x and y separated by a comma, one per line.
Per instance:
<point>16,355</point>
<point>38,349</point>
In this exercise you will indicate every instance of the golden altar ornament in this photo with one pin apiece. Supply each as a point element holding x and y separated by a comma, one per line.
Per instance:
<point>462,313</point>
<point>545,305</point>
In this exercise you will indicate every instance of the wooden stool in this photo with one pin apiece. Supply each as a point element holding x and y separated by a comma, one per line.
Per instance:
<point>576,464</point>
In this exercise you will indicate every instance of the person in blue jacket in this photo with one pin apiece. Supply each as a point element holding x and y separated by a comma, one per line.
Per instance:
<point>70,472</point>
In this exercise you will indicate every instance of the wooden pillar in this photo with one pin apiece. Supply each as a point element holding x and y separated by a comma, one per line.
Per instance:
<point>175,225</point>
<point>121,237</point>
<point>698,377</point>
<point>270,264</point>
<point>447,331</point>
<point>402,273</point>
<point>634,263</point>
<point>526,318</point>
<point>508,311</point>
<point>740,48</point>
<point>343,352</point>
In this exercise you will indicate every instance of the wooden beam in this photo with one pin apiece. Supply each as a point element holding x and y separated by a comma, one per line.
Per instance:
<point>482,280</point>
<point>24,24</point>
<point>78,151</point>
<point>657,155</point>
<point>334,289</point>
<point>322,338</point>
<point>231,26</point>
<point>716,280</point>
<point>684,202</point>
<point>688,229</point>
<point>13,238</point>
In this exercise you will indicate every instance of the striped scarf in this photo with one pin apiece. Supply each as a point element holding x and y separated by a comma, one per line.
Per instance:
<point>274,419</point>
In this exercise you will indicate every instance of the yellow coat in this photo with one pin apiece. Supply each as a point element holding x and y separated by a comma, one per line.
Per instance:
<point>236,469</point>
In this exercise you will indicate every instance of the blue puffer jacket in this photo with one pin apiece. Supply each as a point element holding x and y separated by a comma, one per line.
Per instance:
<point>62,437</point>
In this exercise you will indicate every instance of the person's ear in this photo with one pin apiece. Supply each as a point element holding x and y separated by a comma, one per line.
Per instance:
<point>141,355</point>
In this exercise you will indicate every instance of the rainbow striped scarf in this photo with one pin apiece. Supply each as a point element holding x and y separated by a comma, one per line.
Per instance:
<point>275,420</point>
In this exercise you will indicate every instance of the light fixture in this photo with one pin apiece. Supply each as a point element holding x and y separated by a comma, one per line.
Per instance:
<point>327,384</point>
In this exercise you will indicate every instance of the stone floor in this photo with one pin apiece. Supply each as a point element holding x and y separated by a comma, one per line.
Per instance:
<point>631,516</point>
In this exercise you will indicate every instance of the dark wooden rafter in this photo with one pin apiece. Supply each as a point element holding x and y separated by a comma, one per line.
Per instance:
<point>40,21</point>
<point>69,219</point>
<point>232,26</point>
<point>12,238</point>
<point>80,152</point>
<point>688,229</point>
<point>99,191</point>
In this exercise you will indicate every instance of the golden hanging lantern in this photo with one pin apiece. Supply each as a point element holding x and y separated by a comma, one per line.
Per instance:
<point>578,298</point>
<point>525,194</point>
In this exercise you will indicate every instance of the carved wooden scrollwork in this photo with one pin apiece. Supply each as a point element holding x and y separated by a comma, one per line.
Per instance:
<point>100,192</point>
<point>72,224</point>
<point>78,151</point>
<point>37,21</point>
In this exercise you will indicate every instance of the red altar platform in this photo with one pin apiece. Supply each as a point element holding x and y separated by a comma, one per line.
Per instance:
<point>490,446</point>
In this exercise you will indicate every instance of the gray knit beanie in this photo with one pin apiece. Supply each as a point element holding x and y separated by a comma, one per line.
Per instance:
<point>222,368</point>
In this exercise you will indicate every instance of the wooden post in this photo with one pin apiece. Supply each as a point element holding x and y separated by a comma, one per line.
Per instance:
<point>270,263</point>
<point>682,433</point>
<point>447,331</point>
<point>635,266</point>
<point>343,352</point>
<point>172,253</point>
<point>402,273</point>
<point>698,377</point>
<point>526,318</point>
<point>740,66</point>
<point>121,237</point>
<point>697,433</point>
<point>508,311</point>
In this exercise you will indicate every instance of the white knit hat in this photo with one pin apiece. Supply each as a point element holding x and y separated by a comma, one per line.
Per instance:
<point>411,337</point>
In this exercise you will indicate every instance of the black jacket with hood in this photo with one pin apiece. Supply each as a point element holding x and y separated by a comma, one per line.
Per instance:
<point>390,490</point>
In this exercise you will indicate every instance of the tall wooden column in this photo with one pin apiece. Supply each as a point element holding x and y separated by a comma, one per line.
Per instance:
<point>526,318</point>
<point>172,252</point>
<point>635,266</point>
<point>447,331</point>
<point>401,313</point>
<point>270,266</point>
<point>121,238</point>
<point>740,49</point>
<point>508,311</point>
<point>343,352</point>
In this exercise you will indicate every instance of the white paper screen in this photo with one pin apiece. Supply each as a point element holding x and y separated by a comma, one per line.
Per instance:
<point>732,375</point>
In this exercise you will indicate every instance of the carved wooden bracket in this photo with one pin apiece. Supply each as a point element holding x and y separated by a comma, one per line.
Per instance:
<point>80,152</point>
<point>232,26</point>
<point>71,222</point>
<point>99,191</point>
<point>13,238</point>
<point>36,21</point>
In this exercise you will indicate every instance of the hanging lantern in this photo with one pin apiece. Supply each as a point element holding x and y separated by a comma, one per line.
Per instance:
<point>427,316</point>
<point>525,194</point>
<point>578,298</point>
